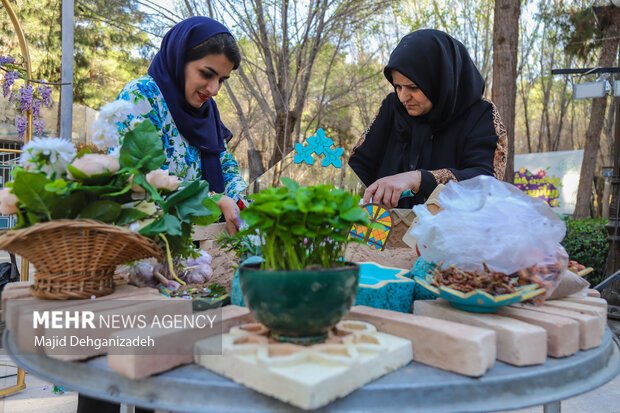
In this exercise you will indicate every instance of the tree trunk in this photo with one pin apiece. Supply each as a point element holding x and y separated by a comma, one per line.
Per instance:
<point>505,43</point>
<point>597,117</point>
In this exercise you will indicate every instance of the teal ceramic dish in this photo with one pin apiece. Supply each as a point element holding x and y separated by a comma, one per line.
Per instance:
<point>384,287</point>
<point>479,301</point>
<point>299,306</point>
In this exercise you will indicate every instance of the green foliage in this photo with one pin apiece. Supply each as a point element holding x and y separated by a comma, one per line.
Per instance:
<point>107,35</point>
<point>586,243</point>
<point>302,226</point>
<point>40,199</point>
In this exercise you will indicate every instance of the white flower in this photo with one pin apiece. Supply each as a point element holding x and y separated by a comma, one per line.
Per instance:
<point>105,134</point>
<point>48,155</point>
<point>8,202</point>
<point>95,163</point>
<point>116,111</point>
<point>149,208</point>
<point>139,224</point>
<point>161,179</point>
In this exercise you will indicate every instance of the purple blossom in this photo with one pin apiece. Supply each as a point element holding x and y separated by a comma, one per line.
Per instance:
<point>7,59</point>
<point>9,79</point>
<point>45,93</point>
<point>38,127</point>
<point>21,123</point>
<point>26,94</point>
<point>36,108</point>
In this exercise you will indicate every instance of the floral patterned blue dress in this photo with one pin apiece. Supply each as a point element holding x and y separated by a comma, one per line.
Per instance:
<point>182,159</point>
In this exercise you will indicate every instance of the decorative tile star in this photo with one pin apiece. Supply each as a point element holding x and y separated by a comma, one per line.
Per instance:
<point>304,154</point>
<point>319,142</point>
<point>333,157</point>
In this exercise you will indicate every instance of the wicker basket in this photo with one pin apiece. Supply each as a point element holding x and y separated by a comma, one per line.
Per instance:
<point>76,258</point>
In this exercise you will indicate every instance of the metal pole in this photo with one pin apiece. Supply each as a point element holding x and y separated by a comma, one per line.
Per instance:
<point>613,227</point>
<point>66,90</point>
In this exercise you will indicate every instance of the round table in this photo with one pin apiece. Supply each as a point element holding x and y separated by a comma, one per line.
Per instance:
<point>413,388</point>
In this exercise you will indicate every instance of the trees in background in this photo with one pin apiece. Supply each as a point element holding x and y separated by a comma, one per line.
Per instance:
<point>111,46</point>
<point>505,45</point>
<point>319,64</point>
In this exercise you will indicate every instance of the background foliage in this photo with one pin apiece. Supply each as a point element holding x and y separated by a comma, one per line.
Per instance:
<point>586,243</point>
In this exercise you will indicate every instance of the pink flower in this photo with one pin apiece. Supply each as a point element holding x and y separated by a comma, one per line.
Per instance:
<point>161,179</point>
<point>8,202</point>
<point>542,173</point>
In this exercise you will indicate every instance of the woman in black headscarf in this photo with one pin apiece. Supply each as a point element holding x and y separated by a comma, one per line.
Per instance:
<point>433,128</point>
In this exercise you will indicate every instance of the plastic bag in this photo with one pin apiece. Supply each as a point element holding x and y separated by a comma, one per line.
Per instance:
<point>490,221</point>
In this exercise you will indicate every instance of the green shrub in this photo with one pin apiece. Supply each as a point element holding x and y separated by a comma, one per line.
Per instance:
<point>586,243</point>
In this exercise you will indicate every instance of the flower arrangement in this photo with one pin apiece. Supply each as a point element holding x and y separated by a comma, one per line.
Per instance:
<point>54,181</point>
<point>302,227</point>
<point>27,98</point>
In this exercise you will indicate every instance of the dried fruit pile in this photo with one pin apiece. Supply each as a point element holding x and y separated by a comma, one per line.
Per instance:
<point>493,282</point>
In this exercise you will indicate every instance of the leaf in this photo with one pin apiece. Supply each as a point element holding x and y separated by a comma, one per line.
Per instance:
<point>289,184</point>
<point>70,205</point>
<point>106,211</point>
<point>29,188</point>
<point>129,215</point>
<point>83,152</point>
<point>142,148</point>
<point>140,179</point>
<point>168,224</point>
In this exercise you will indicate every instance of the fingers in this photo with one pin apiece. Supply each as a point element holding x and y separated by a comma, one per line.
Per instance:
<point>369,193</point>
<point>231,227</point>
<point>394,199</point>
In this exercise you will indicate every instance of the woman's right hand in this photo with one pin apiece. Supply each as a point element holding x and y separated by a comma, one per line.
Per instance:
<point>231,212</point>
<point>387,190</point>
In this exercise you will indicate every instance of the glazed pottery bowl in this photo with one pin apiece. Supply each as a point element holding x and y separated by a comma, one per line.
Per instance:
<point>299,306</point>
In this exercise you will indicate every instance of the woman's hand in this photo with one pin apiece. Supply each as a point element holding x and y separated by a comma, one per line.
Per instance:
<point>387,190</point>
<point>231,214</point>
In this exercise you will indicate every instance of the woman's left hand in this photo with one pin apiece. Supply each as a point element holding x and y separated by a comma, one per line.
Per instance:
<point>231,214</point>
<point>387,190</point>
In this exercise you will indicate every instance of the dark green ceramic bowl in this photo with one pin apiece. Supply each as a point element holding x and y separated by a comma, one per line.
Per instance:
<point>299,306</point>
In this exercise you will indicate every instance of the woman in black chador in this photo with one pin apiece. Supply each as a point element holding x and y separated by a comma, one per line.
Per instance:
<point>435,126</point>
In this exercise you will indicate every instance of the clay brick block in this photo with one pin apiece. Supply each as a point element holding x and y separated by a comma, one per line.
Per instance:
<point>591,292</point>
<point>181,350</point>
<point>443,344</point>
<point>562,332</point>
<point>601,313</point>
<point>597,302</point>
<point>590,328</point>
<point>518,343</point>
<point>14,308</point>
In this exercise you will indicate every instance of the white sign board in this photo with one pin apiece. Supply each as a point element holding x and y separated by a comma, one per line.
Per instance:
<point>550,176</point>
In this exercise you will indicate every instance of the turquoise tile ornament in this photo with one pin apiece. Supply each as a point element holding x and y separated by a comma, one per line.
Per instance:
<point>420,270</point>
<point>320,143</point>
<point>384,287</point>
<point>332,157</point>
<point>479,301</point>
<point>304,154</point>
<point>236,296</point>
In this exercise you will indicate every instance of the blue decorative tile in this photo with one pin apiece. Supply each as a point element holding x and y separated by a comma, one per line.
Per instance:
<point>384,287</point>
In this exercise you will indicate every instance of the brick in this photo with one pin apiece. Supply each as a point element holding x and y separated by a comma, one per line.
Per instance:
<point>562,332</point>
<point>590,328</point>
<point>13,308</point>
<point>601,313</point>
<point>181,350</point>
<point>518,343</point>
<point>443,344</point>
<point>591,292</point>
<point>597,302</point>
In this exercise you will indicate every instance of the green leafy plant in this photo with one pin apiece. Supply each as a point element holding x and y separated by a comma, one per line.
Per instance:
<point>586,242</point>
<point>54,183</point>
<point>302,227</point>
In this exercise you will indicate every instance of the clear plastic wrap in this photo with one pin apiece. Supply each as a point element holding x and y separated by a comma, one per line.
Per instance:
<point>486,220</point>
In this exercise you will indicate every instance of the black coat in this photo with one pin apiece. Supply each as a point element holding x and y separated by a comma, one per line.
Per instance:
<point>461,137</point>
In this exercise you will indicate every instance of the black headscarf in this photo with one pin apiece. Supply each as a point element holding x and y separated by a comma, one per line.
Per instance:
<point>201,127</point>
<point>442,68</point>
